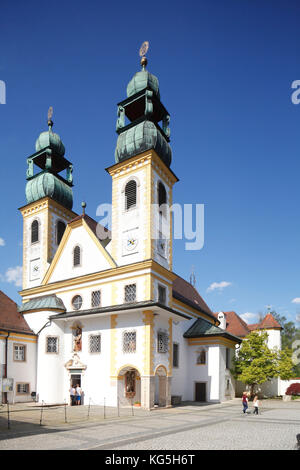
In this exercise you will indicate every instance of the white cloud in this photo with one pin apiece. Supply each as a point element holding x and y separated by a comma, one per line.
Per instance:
<point>296,300</point>
<point>2,242</point>
<point>249,317</point>
<point>14,275</point>
<point>218,286</point>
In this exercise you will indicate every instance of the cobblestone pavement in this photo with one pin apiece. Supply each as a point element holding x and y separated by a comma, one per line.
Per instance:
<point>189,427</point>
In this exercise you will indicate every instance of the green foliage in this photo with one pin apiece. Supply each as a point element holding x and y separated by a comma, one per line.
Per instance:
<point>289,334</point>
<point>256,363</point>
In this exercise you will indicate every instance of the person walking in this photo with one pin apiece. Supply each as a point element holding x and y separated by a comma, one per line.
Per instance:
<point>245,402</point>
<point>72,395</point>
<point>256,405</point>
<point>78,395</point>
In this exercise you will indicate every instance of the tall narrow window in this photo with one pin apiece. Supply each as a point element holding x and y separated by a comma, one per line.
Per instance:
<point>96,298</point>
<point>130,195</point>
<point>162,199</point>
<point>201,358</point>
<point>34,231</point>
<point>60,230</point>
<point>161,294</point>
<point>175,354</point>
<point>162,342</point>
<point>76,256</point>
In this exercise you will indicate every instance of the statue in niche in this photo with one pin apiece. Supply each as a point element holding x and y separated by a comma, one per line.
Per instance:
<point>130,383</point>
<point>77,339</point>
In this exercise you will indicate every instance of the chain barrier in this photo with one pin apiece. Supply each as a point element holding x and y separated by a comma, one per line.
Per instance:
<point>43,414</point>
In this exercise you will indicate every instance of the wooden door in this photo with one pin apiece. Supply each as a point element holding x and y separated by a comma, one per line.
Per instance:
<point>200,391</point>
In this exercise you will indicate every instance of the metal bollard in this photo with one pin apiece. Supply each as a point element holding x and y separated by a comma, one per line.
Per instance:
<point>104,415</point>
<point>131,406</point>
<point>41,418</point>
<point>65,411</point>
<point>118,402</point>
<point>89,408</point>
<point>8,419</point>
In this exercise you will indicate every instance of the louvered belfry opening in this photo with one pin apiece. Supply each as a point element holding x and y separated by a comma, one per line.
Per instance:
<point>60,230</point>
<point>77,256</point>
<point>162,199</point>
<point>130,194</point>
<point>34,231</point>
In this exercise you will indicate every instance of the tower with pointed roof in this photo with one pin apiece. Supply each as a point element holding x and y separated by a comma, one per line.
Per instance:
<point>142,181</point>
<point>49,205</point>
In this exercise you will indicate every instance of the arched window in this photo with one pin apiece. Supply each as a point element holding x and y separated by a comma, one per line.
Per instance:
<point>35,231</point>
<point>130,194</point>
<point>60,230</point>
<point>162,199</point>
<point>77,256</point>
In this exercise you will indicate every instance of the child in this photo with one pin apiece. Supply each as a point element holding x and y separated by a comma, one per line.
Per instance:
<point>245,402</point>
<point>255,404</point>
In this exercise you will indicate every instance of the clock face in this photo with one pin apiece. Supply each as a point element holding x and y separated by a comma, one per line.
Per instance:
<point>131,243</point>
<point>35,269</point>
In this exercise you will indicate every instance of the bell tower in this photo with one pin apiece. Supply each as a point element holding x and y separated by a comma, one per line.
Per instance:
<point>49,205</point>
<point>142,181</point>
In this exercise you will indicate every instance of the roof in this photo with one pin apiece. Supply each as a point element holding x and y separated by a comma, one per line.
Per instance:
<point>10,318</point>
<point>116,308</point>
<point>186,293</point>
<point>238,327</point>
<point>202,328</point>
<point>46,302</point>
<point>269,322</point>
<point>102,233</point>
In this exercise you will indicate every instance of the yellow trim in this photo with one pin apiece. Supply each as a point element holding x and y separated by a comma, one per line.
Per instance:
<point>113,345</point>
<point>98,243</point>
<point>125,366</point>
<point>164,367</point>
<point>148,320</point>
<point>170,347</point>
<point>66,235</point>
<point>211,340</point>
<point>149,264</point>
<point>115,170</point>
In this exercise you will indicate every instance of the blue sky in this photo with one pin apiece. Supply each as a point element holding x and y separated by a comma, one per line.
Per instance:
<point>225,71</point>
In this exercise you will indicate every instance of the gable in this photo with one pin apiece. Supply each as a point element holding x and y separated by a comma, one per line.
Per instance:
<point>94,257</point>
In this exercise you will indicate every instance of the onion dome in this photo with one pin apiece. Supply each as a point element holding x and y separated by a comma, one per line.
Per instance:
<point>52,140</point>
<point>49,159</point>
<point>144,136</point>
<point>47,184</point>
<point>142,80</point>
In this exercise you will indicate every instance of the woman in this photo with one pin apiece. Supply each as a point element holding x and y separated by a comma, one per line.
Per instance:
<point>245,401</point>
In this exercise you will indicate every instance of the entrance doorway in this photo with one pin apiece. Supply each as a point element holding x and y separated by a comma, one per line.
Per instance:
<point>75,380</point>
<point>200,391</point>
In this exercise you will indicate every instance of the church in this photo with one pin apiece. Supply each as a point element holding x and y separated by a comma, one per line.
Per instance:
<point>108,311</point>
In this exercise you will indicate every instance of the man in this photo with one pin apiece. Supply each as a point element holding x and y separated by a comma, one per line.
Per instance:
<point>72,395</point>
<point>78,394</point>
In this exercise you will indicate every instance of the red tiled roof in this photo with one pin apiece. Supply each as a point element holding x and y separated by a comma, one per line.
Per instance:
<point>269,322</point>
<point>10,318</point>
<point>238,327</point>
<point>186,293</point>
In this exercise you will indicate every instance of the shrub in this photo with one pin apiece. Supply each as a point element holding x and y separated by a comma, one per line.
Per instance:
<point>293,389</point>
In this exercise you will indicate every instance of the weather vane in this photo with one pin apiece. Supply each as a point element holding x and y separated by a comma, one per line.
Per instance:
<point>50,114</point>
<point>143,51</point>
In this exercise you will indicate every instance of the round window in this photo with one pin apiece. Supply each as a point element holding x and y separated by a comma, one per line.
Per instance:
<point>77,302</point>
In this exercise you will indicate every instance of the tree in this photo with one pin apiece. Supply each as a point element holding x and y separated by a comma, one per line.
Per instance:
<point>289,334</point>
<point>255,363</point>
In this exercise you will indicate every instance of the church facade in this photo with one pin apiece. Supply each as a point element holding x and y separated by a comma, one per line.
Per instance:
<point>106,307</point>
